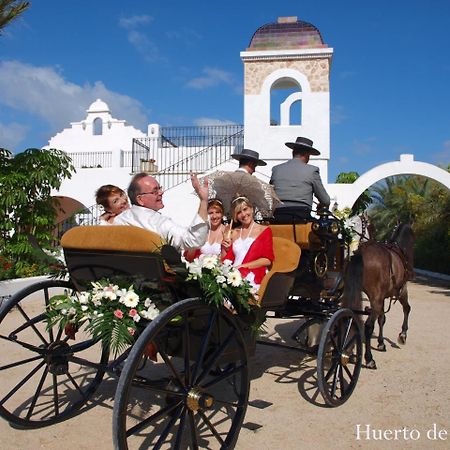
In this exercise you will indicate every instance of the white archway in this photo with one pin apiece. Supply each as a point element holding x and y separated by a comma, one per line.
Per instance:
<point>405,166</point>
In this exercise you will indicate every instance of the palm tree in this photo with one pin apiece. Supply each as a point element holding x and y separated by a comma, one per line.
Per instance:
<point>10,10</point>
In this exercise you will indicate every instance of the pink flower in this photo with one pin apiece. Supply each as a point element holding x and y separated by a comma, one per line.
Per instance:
<point>131,331</point>
<point>118,313</point>
<point>132,312</point>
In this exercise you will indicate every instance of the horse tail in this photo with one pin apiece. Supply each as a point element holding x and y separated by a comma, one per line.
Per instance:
<point>353,283</point>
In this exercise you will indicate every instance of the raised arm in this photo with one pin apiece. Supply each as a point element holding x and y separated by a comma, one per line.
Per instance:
<point>202,192</point>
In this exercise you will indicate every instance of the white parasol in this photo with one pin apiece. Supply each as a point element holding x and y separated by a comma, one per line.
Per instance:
<point>228,185</point>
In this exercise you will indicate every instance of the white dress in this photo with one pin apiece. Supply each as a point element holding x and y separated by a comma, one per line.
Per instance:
<point>210,249</point>
<point>240,249</point>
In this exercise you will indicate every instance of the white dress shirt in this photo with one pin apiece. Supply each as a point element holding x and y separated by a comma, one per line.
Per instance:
<point>181,237</point>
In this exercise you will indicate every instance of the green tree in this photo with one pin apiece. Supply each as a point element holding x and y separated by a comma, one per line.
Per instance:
<point>363,200</point>
<point>423,203</point>
<point>28,209</point>
<point>10,10</point>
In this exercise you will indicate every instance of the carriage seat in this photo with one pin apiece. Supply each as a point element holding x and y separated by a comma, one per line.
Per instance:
<point>95,252</point>
<point>299,233</point>
<point>277,283</point>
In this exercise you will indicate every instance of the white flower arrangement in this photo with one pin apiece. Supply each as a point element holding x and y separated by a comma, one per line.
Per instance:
<point>220,282</point>
<point>111,312</point>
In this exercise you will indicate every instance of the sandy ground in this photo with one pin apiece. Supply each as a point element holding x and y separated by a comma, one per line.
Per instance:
<point>408,392</point>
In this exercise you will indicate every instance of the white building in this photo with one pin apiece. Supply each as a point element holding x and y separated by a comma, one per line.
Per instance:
<point>286,94</point>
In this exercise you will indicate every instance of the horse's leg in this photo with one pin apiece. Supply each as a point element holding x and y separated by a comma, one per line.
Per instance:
<point>403,298</point>
<point>381,321</point>
<point>368,331</point>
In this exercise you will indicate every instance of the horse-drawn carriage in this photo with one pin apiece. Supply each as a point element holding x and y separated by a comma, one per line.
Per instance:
<point>185,381</point>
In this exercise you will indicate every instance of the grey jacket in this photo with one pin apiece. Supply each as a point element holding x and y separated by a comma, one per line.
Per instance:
<point>295,183</point>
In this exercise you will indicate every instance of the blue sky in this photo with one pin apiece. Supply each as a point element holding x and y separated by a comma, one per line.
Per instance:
<point>178,63</point>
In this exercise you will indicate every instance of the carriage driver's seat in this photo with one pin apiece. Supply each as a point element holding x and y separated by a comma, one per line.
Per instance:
<point>277,283</point>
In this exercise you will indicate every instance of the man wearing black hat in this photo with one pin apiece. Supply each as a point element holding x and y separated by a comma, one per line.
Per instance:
<point>295,183</point>
<point>248,160</point>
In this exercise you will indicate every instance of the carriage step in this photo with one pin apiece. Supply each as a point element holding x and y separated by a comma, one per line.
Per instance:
<point>260,404</point>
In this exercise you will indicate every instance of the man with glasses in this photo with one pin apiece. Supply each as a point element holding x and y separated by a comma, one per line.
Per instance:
<point>146,194</point>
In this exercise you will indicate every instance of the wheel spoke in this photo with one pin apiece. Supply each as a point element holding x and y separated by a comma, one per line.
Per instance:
<point>215,356</point>
<point>20,363</point>
<point>168,428</point>
<point>77,387</point>
<point>205,342</point>
<point>350,342</point>
<point>47,298</point>
<point>334,384</point>
<point>31,323</point>
<point>162,412</point>
<point>21,383</point>
<point>187,351</point>
<point>147,384</point>
<point>55,395</point>
<point>211,427</point>
<point>332,369</point>
<point>36,394</point>
<point>174,371</point>
<point>193,430</point>
<point>347,331</point>
<point>223,377</point>
<point>180,431</point>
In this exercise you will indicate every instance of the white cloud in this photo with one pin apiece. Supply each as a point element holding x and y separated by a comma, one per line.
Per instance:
<point>443,157</point>
<point>139,40</point>
<point>208,121</point>
<point>134,21</point>
<point>44,93</point>
<point>338,114</point>
<point>364,147</point>
<point>12,134</point>
<point>212,77</point>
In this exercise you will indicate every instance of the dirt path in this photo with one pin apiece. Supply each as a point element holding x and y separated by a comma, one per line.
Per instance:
<point>409,393</point>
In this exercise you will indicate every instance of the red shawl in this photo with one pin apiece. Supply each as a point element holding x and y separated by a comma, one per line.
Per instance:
<point>262,247</point>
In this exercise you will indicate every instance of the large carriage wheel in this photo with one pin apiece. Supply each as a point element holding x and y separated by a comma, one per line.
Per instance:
<point>45,376</point>
<point>339,357</point>
<point>195,394</point>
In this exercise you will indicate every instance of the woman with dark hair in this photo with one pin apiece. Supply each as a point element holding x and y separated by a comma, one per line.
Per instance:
<point>113,199</point>
<point>250,245</point>
<point>216,232</point>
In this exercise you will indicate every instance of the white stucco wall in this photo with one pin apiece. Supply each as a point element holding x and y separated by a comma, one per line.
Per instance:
<point>116,135</point>
<point>346,194</point>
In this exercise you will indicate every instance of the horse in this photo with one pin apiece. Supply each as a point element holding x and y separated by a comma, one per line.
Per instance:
<point>381,271</point>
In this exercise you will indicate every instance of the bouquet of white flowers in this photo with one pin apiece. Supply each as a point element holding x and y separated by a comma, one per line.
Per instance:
<point>221,282</point>
<point>112,312</point>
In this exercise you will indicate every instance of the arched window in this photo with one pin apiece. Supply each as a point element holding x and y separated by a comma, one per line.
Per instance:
<point>98,127</point>
<point>285,102</point>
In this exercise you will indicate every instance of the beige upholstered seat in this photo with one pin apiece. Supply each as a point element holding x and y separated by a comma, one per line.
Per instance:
<point>117,237</point>
<point>278,281</point>
<point>299,233</point>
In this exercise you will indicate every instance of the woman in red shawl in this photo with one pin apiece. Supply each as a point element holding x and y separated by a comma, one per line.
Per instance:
<point>250,246</point>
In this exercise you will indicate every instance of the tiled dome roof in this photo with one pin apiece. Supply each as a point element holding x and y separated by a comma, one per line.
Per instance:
<point>286,33</point>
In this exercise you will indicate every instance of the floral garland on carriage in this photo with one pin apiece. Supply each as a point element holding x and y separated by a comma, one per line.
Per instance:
<point>115,310</point>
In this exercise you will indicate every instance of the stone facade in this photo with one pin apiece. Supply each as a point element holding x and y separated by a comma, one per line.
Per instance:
<point>316,70</point>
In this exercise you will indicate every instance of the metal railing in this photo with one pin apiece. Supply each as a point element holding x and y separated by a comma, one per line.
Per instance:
<point>89,216</point>
<point>182,149</point>
<point>91,160</point>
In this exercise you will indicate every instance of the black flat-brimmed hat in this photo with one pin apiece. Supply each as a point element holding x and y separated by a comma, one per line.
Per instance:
<point>249,154</point>
<point>303,144</point>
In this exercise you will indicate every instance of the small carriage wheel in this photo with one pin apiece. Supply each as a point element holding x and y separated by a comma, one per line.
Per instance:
<point>339,357</point>
<point>195,394</point>
<point>321,264</point>
<point>45,376</point>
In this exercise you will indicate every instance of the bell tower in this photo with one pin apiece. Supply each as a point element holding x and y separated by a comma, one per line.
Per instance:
<point>287,91</point>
